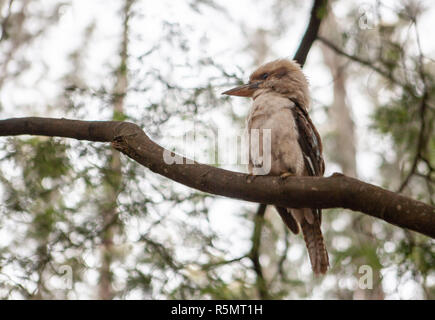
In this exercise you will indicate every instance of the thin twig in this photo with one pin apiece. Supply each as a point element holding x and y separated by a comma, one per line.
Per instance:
<point>422,113</point>
<point>360,60</point>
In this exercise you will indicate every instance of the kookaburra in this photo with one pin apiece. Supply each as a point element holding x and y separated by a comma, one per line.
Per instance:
<point>281,101</point>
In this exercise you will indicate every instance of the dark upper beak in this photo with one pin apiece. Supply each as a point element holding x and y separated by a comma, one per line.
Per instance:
<point>246,90</point>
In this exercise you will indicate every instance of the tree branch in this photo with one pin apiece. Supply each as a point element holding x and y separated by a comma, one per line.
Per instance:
<point>294,192</point>
<point>366,63</point>
<point>317,12</point>
<point>255,252</point>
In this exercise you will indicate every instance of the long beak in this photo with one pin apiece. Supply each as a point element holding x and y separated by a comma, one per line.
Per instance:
<point>246,90</point>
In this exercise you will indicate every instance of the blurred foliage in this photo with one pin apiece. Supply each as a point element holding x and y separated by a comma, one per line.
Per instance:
<point>163,242</point>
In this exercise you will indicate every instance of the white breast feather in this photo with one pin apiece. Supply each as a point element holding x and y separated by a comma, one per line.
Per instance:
<point>272,111</point>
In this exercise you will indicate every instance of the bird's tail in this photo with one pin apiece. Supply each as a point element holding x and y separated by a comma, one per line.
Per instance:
<point>310,225</point>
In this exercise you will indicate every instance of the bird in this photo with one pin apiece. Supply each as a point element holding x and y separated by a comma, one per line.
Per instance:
<point>281,101</point>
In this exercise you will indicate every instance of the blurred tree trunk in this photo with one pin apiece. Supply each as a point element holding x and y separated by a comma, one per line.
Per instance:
<point>113,177</point>
<point>259,45</point>
<point>344,142</point>
<point>15,33</point>
<point>340,114</point>
<point>12,30</point>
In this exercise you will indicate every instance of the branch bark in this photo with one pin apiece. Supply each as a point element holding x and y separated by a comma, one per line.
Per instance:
<point>294,192</point>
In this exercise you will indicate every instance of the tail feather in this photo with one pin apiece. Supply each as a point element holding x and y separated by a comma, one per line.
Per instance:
<point>315,245</point>
<point>288,219</point>
<point>309,221</point>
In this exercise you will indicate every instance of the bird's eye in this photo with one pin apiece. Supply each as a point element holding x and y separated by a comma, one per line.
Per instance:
<point>264,76</point>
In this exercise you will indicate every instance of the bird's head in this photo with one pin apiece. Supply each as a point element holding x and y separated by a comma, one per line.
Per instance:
<point>281,76</point>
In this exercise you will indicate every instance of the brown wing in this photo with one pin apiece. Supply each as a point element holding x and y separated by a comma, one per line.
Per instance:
<point>310,143</point>
<point>311,146</point>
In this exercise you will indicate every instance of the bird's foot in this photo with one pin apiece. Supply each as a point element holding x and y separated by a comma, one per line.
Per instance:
<point>250,177</point>
<point>285,175</point>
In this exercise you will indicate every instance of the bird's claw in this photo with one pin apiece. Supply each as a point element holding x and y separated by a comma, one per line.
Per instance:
<point>251,177</point>
<point>285,175</point>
